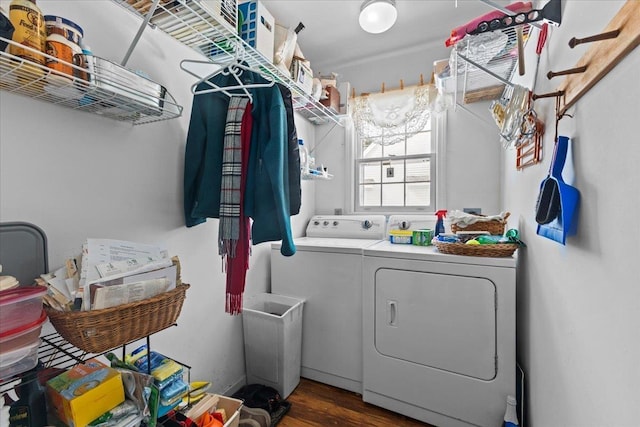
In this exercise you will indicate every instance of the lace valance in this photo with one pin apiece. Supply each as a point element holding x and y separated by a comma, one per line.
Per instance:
<point>387,118</point>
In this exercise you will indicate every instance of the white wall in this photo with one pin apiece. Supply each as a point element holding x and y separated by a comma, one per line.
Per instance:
<point>471,164</point>
<point>79,176</point>
<point>579,304</point>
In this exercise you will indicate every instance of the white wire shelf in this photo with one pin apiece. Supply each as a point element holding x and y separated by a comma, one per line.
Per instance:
<point>483,64</point>
<point>213,34</point>
<point>104,92</point>
<point>313,174</point>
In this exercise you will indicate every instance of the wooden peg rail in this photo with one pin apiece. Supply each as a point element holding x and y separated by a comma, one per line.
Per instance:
<point>603,54</point>
<point>383,88</point>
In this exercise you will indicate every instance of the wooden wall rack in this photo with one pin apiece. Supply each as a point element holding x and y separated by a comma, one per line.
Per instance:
<point>603,55</point>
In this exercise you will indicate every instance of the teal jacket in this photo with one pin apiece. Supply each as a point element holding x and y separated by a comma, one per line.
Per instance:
<point>267,187</point>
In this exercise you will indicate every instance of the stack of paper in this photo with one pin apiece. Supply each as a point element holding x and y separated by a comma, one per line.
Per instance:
<point>120,272</point>
<point>113,272</point>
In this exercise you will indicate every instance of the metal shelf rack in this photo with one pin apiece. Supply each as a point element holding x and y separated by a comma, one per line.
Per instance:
<point>56,352</point>
<point>112,97</point>
<point>483,73</point>
<point>212,32</point>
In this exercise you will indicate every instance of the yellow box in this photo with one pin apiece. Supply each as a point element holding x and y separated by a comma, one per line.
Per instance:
<point>404,237</point>
<point>83,393</point>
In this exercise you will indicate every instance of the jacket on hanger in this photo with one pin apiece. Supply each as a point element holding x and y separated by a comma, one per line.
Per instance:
<point>267,188</point>
<point>295,191</point>
<point>266,194</point>
<point>203,155</point>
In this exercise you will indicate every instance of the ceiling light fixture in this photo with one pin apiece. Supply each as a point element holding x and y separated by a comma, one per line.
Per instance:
<point>377,16</point>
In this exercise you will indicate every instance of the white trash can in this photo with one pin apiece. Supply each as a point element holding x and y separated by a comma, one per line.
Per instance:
<point>272,327</point>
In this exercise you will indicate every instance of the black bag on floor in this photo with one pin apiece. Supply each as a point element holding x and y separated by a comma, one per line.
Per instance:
<point>264,397</point>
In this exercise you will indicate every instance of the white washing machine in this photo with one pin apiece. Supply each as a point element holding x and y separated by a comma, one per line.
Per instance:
<point>439,332</point>
<point>326,272</point>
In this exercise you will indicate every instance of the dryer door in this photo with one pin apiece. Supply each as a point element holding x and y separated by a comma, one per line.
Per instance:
<point>442,321</point>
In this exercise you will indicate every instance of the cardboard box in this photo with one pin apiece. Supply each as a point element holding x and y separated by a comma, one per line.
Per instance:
<point>83,393</point>
<point>211,402</point>
<point>258,27</point>
<point>333,99</point>
<point>302,75</point>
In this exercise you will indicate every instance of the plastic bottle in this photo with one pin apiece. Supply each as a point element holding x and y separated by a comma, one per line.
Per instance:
<point>511,413</point>
<point>304,157</point>
<point>88,55</point>
<point>30,410</point>
<point>29,30</point>
<point>441,214</point>
<point>90,76</point>
<point>61,50</point>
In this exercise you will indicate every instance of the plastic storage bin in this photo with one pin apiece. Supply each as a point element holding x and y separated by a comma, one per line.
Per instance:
<point>258,28</point>
<point>232,408</point>
<point>22,336</point>
<point>403,237</point>
<point>272,326</point>
<point>19,360</point>
<point>20,306</point>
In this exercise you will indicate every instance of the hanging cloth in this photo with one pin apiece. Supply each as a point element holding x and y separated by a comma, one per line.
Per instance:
<point>238,264</point>
<point>388,117</point>
<point>229,226</point>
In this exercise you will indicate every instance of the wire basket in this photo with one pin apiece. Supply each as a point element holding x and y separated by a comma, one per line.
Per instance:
<point>498,250</point>
<point>495,226</point>
<point>96,331</point>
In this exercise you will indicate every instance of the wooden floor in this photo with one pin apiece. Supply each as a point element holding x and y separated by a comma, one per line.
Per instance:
<point>318,405</point>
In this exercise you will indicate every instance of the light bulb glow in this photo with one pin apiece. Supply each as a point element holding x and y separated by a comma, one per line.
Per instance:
<point>377,16</point>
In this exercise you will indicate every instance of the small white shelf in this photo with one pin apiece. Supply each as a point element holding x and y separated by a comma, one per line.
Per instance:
<point>194,24</point>
<point>113,98</point>
<point>312,174</point>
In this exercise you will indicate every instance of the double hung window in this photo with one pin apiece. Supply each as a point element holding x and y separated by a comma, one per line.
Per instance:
<point>398,176</point>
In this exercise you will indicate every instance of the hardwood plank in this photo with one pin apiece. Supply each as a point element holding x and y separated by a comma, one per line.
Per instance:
<point>314,404</point>
<point>484,94</point>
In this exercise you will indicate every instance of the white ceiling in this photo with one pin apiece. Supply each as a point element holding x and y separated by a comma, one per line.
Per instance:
<point>332,37</point>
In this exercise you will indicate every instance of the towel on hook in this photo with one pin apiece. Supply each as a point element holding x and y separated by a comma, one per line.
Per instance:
<point>230,188</point>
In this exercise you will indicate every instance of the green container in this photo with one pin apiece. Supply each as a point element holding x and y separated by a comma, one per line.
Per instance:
<point>422,237</point>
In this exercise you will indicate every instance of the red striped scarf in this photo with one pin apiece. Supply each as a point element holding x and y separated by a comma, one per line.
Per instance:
<point>237,262</point>
<point>231,184</point>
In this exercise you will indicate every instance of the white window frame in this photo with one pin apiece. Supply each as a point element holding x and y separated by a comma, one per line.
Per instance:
<point>438,167</point>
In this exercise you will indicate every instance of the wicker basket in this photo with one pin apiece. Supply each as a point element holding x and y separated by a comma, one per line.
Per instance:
<point>96,331</point>
<point>498,250</point>
<point>495,226</point>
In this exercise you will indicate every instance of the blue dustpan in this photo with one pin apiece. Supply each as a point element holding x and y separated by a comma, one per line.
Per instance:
<point>565,222</point>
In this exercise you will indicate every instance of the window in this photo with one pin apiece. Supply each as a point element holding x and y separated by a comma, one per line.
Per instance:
<point>396,177</point>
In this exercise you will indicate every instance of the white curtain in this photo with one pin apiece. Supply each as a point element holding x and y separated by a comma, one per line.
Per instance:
<point>385,118</point>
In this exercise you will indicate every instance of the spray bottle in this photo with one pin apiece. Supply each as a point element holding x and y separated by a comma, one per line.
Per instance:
<point>441,214</point>
<point>304,157</point>
<point>511,415</point>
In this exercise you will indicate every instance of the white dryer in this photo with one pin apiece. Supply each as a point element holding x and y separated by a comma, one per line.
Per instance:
<point>439,333</point>
<point>326,272</point>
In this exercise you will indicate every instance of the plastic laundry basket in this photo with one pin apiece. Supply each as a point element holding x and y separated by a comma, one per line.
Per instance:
<point>272,326</point>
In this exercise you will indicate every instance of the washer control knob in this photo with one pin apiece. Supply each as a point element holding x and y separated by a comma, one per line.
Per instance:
<point>367,224</point>
<point>325,223</point>
<point>316,222</point>
<point>335,223</point>
<point>404,225</point>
